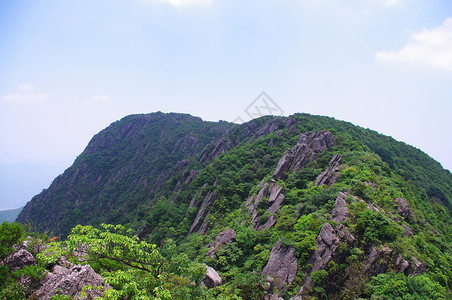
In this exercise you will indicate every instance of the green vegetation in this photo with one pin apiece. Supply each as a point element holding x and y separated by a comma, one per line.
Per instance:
<point>155,176</point>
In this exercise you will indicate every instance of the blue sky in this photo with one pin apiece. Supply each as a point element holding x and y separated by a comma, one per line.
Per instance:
<point>70,68</point>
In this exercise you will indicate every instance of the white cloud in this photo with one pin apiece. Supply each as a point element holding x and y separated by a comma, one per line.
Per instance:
<point>99,98</point>
<point>180,3</point>
<point>26,86</point>
<point>428,47</point>
<point>25,98</point>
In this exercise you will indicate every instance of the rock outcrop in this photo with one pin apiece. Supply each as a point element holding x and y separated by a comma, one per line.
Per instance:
<point>326,245</point>
<point>272,193</point>
<point>282,265</point>
<point>309,144</point>
<point>18,260</point>
<point>340,212</point>
<point>222,238</point>
<point>379,261</point>
<point>203,212</point>
<point>330,175</point>
<point>212,279</point>
<point>403,209</point>
<point>70,282</point>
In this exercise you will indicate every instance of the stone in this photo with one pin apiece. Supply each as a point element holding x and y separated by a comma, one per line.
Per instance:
<point>408,231</point>
<point>309,144</point>
<point>204,209</point>
<point>340,212</point>
<point>416,267</point>
<point>282,265</point>
<point>273,192</point>
<point>18,260</point>
<point>330,175</point>
<point>70,282</point>
<point>326,245</point>
<point>403,209</point>
<point>378,261</point>
<point>401,263</point>
<point>222,238</point>
<point>212,279</point>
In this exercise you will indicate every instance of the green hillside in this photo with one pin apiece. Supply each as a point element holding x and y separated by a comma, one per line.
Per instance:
<point>300,207</point>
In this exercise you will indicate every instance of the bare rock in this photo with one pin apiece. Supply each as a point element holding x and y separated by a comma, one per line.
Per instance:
<point>203,210</point>
<point>70,282</point>
<point>304,152</point>
<point>222,238</point>
<point>326,245</point>
<point>378,260</point>
<point>401,263</point>
<point>372,207</point>
<point>212,279</point>
<point>416,267</point>
<point>403,208</point>
<point>282,264</point>
<point>408,231</point>
<point>216,148</point>
<point>340,212</point>
<point>19,259</point>
<point>330,175</point>
<point>272,192</point>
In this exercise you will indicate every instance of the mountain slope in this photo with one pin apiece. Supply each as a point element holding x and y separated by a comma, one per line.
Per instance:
<point>310,205</point>
<point>9,215</point>
<point>121,167</point>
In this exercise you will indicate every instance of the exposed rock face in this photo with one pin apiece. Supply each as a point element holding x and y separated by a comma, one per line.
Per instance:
<point>272,192</point>
<point>222,238</point>
<point>255,131</point>
<point>212,279</point>
<point>403,264</point>
<point>19,259</point>
<point>203,211</point>
<point>326,245</point>
<point>304,152</point>
<point>408,232</point>
<point>416,267</point>
<point>282,264</point>
<point>403,208</point>
<point>70,282</point>
<point>330,175</point>
<point>340,212</point>
<point>215,149</point>
<point>383,256</point>
<point>379,262</point>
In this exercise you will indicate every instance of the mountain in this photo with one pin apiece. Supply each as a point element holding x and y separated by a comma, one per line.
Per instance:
<point>312,206</point>
<point>9,215</point>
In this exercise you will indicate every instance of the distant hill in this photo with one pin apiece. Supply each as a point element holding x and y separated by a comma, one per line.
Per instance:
<point>322,207</point>
<point>9,215</point>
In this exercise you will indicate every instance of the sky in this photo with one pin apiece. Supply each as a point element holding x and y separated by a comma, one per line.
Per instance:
<point>70,68</point>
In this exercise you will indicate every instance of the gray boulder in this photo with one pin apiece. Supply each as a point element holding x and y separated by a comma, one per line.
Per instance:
<point>70,282</point>
<point>19,259</point>
<point>212,279</point>
<point>282,265</point>
<point>340,212</point>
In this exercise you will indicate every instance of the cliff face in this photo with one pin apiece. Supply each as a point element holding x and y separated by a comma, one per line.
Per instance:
<point>307,202</point>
